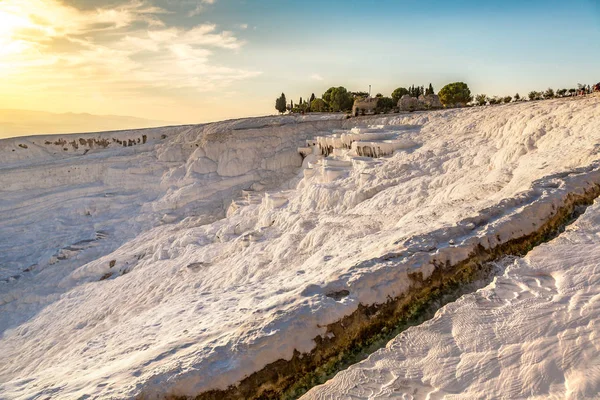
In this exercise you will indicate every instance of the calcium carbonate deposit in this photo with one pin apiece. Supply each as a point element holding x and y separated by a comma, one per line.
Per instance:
<point>531,333</point>
<point>173,261</point>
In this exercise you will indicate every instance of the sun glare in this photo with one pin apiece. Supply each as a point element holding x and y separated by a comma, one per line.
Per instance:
<point>11,21</point>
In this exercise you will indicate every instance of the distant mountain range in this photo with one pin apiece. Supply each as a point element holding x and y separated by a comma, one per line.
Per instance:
<point>29,122</point>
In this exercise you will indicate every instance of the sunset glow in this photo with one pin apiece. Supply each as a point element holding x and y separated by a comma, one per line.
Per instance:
<point>188,61</point>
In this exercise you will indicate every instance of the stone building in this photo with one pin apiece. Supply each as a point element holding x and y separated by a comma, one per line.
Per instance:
<point>364,106</point>
<point>431,101</point>
<point>428,102</point>
<point>409,103</point>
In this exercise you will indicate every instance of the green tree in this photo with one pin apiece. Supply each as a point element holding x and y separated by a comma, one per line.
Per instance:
<point>303,107</point>
<point>561,92</point>
<point>384,104</point>
<point>281,103</point>
<point>481,99</point>
<point>517,97</point>
<point>338,99</point>
<point>327,95</point>
<point>398,93</point>
<point>312,98</point>
<point>318,105</point>
<point>457,93</point>
<point>378,95</point>
<point>416,91</point>
<point>549,94</point>
<point>507,99</point>
<point>429,90</point>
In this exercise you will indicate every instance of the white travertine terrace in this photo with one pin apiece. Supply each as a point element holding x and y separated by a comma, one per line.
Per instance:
<point>332,156</point>
<point>190,259</point>
<point>376,141</point>
<point>531,333</point>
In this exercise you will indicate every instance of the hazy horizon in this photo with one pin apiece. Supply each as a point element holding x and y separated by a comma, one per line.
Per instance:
<point>16,123</point>
<point>194,61</point>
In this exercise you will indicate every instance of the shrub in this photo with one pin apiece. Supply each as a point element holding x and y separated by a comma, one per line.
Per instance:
<point>481,99</point>
<point>384,104</point>
<point>533,95</point>
<point>495,100</point>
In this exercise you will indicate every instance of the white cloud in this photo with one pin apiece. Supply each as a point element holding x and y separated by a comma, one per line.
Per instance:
<point>317,77</point>
<point>121,48</point>
<point>243,26</point>
<point>206,35</point>
<point>196,11</point>
<point>199,7</point>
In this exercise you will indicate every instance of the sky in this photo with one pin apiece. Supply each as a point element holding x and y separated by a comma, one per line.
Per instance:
<point>193,61</point>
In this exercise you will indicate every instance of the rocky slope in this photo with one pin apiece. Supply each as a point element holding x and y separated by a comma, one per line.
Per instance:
<point>191,259</point>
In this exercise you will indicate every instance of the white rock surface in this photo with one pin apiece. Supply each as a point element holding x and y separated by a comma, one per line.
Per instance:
<point>124,274</point>
<point>532,333</point>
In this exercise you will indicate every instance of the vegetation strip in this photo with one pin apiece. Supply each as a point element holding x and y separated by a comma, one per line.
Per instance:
<point>370,327</point>
<point>455,94</point>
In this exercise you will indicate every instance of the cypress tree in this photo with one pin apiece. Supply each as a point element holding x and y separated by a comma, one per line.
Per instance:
<point>281,103</point>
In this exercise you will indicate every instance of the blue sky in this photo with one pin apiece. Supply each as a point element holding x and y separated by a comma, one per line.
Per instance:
<point>203,60</point>
<point>497,48</point>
